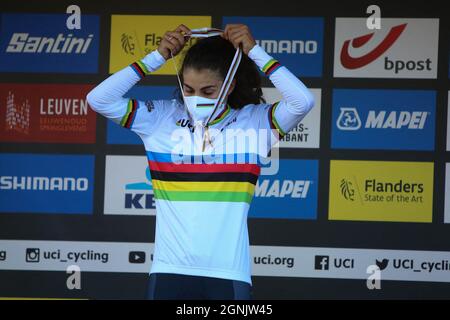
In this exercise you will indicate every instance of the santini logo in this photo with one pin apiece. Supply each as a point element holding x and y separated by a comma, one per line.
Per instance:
<point>349,119</point>
<point>23,43</point>
<point>281,189</point>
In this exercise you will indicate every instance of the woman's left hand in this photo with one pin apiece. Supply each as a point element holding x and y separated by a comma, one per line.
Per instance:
<point>239,34</point>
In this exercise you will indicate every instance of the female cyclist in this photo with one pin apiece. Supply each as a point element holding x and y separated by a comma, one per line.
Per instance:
<point>201,241</point>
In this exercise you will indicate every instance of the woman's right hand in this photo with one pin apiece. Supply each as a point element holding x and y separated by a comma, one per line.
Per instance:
<point>174,41</point>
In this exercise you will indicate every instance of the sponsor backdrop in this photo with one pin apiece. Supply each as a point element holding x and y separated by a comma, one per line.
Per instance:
<point>362,191</point>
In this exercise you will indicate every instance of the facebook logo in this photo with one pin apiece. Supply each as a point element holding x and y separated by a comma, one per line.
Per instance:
<point>322,263</point>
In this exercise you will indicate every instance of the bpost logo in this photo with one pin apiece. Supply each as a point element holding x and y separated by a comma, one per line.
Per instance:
<point>46,183</point>
<point>27,38</point>
<point>307,132</point>
<point>386,53</point>
<point>130,193</point>
<point>133,37</point>
<point>296,42</point>
<point>326,263</point>
<point>381,191</point>
<point>116,134</point>
<point>291,193</point>
<point>383,119</point>
<point>46,113</point>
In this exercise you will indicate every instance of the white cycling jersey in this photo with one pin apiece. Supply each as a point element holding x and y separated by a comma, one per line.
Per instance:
<point>202,196</point>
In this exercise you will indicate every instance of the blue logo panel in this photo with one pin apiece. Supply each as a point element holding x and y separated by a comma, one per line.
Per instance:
<point>296,42</point>
<point>42,43</point>
<point>118,135</point>
<point>290,194</point>
<point>35,183</point>
<point>383,119</point>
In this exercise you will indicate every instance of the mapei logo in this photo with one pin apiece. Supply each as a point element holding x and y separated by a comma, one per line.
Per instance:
<point>348,119</point>
<point>386,53</point>
<point>281,189</point>
<point>291,193</point>
<point>384,119</point>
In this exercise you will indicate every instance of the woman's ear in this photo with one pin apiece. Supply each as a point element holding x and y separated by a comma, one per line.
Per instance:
<point>233,84</point>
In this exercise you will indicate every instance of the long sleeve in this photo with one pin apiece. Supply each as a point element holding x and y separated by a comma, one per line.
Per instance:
<point>297,98</point>
<point>107,98</point>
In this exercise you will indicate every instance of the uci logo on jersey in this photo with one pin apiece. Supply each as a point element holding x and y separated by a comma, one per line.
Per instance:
<point>185,123</point>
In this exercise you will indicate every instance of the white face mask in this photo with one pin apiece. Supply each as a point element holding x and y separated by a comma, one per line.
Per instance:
<point>202,109</point>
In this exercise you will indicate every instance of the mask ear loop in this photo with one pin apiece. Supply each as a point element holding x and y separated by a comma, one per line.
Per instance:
<point>181,86</point>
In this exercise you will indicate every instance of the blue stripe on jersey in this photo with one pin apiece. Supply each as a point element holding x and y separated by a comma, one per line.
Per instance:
<point>250,158</point>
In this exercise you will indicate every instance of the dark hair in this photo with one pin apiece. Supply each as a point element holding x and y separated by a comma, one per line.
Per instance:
<point>216,54</point>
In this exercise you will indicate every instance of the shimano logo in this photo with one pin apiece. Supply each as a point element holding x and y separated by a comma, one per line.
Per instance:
<point>23,43</point>
<point>44,183</point>
<point>289,46</point>
<point>281,189</point>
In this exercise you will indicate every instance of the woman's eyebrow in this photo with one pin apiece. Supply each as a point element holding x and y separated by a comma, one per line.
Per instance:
<point>207,87</point>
